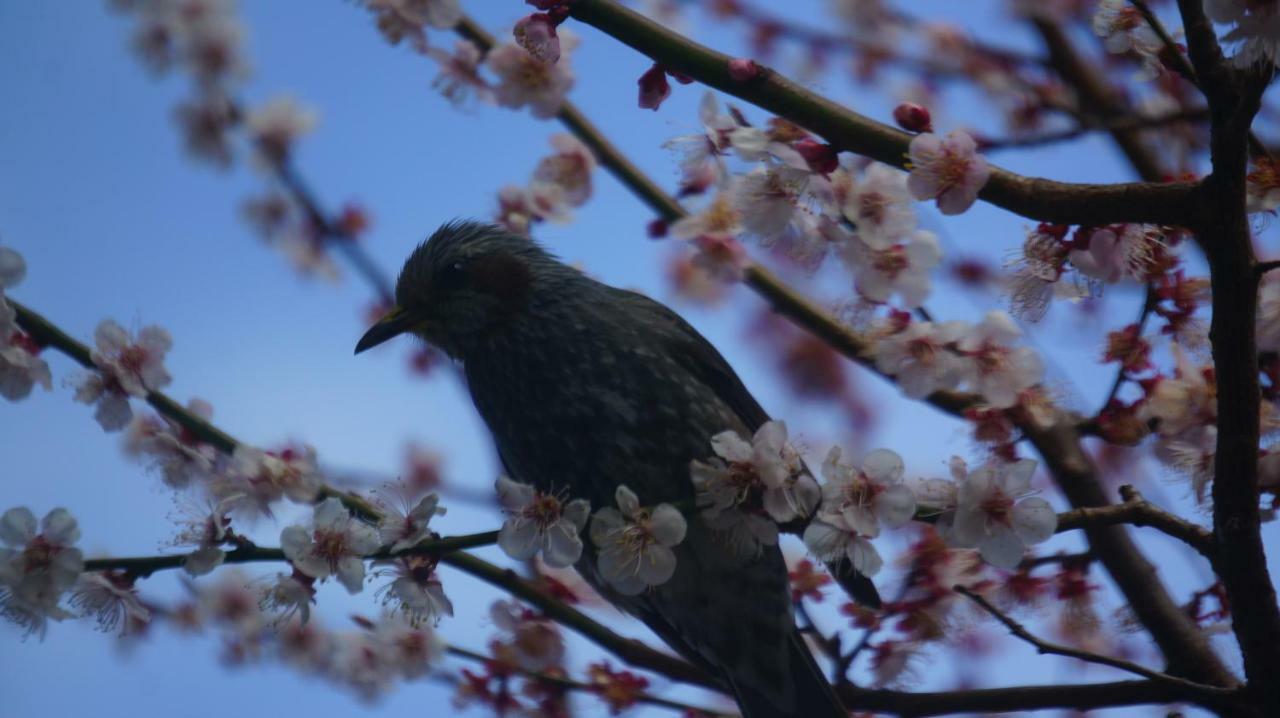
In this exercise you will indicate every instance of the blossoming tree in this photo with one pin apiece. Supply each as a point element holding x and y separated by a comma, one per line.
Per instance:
<point>779,190</point>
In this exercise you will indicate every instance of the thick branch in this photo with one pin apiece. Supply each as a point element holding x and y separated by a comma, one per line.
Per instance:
<point>1079,697</point>
<point>1039,199</point>
<point>1139,512</point>
<point>1184,645</point>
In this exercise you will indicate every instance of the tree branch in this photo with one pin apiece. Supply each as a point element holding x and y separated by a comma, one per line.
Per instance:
<point>573,685</point>
<point>1080,697</point>
<point>144,566</point>
<point>1038,199</point>
<point>1184,645</point>
<point>1139,512</point>
<point>1045,647</point>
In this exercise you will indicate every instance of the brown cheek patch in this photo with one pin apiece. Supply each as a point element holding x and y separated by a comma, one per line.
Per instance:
<point>503,277</point>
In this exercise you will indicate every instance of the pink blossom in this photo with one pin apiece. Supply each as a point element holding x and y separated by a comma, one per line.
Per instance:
<point>416,592</point>
<point>400,19</point>
<point>748,486</point>
<point>879,206</point>
<point>536,33</point>
<point>901,269</point>
<point>459,78</point>
<point>700,153</point>
<point>569,169</point>
<point>290,595</point>
<point>1115,253</point>
<point>538,521</point>
<point>21,367</point>
<point>126,367</point>
<point>111,600</point>
<point>277,125</point>
<point>948,169</point>
<point>255,479</point>
<point>996,513</point>
<point>401,530</point>
<point>526,80</point>
<point>994,369</point>
<point>206,123</point>
<point>170,448</point>
<point>535,641</point>
<point>635,543</point>
<point>335,545</point>
<point>37,565</point>
<point>856,501</point>
<point>920,357</point>
<point>768,199</point>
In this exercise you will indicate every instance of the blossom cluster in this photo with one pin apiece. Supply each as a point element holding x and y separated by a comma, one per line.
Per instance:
<point>560,182</point>
<point>21,367</point>
<point>749,487</point>
<point>799,199</point>
<point>368,661</point>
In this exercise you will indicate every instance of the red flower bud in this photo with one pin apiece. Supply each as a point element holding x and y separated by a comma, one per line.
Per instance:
<point>912,117</point>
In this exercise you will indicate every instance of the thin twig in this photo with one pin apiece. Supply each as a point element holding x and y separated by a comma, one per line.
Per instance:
<point>573,685</point>
<point>144,566</point>
<point>1043,646</point>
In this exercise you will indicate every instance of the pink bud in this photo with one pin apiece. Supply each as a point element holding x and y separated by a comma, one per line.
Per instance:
<point>820,156</point>
<point>912,117</point>
<point>536,33</point>
<point>654,88</point>
<point>742,69</point>
<point>657,229</point>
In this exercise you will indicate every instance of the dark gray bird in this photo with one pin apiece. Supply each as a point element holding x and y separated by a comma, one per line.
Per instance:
<point>585,387</point>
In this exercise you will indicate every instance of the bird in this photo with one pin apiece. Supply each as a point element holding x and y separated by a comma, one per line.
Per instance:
<point>584,387</point>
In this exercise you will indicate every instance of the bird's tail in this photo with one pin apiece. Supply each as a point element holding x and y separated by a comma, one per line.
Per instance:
<point>811,695</point>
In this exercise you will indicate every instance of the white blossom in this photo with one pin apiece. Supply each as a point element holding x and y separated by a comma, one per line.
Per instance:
<point>1116,253</point>
<point>257,478</point>
<point>526,80</point>
<point>179,456</point>
<point>416,591</point>
<point>110,600</point>
<point>21,368</point>
<point>536,642</point>
<point>768,199</point>
<point>37,565</point>
<point>879,206</point>
<point>948,169</point>
<point>920,358</point>
<point>996,514</point>
<point>402,530</point>
<point>277,125</point>
<point>540,521</point>
<point>334,545</point>
<point>1182,401</point>
<point>701,153</point>
<point>289,596</point>
<point>635,543</point>
<point>994,369</point>
<point>901,269</point>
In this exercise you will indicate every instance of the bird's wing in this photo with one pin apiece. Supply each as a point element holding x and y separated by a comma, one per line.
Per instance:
<point>701,359</point>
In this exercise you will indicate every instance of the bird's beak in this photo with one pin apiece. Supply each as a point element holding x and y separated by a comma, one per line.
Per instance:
<point>391,325</point>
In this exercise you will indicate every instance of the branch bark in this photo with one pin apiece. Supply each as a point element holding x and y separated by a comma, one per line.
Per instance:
<point>1038,199</point>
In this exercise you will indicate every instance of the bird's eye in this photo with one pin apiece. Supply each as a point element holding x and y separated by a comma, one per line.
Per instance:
<point>453,275</point>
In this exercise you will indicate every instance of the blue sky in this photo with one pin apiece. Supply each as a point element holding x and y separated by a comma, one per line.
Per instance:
<point>115,221</point>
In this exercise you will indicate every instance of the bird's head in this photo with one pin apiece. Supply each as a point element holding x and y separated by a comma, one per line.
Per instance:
<point>468,278</point>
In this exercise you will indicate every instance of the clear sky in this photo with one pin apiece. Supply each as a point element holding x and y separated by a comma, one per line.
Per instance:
<point>115,221</point>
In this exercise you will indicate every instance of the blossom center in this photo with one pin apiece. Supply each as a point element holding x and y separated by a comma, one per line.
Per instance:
<point>998,507</point>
